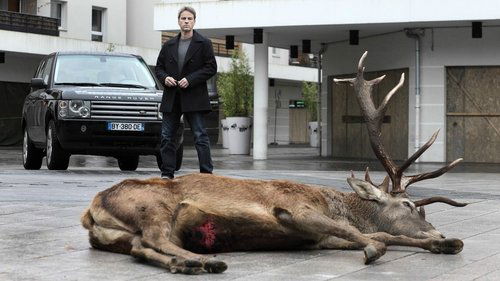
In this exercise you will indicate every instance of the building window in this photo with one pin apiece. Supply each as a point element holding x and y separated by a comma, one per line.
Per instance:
<point>11,5</point>
<point>97,24</point>
<point>58,11</point>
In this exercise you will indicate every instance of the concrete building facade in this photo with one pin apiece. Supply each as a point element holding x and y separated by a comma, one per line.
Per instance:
<point>106,25</point>
<point>449,50</point>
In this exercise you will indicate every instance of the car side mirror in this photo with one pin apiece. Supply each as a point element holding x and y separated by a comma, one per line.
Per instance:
<point>38,83</point>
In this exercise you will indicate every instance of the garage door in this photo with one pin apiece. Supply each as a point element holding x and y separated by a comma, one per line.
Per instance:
<point>473,114</point>
<point>349,133</point>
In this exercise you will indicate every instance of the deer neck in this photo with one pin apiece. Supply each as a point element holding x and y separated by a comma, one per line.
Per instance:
<point>360,213</point>
<point>363,213</point>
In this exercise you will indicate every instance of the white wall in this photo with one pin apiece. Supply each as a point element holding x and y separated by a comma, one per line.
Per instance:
<point>278,66</point>
<point>289,91</point>
<point>450,47</point>
<point>140,31</point>
<point>291,12</point>
<point>79,19</point>
<point>37,44</point>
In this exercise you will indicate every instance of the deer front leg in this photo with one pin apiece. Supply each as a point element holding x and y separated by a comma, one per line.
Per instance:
<point>333,242</point>
<point>437,246</point>
<point>311,221</point>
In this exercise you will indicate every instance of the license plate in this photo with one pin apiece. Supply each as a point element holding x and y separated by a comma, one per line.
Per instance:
<point>121,126</point>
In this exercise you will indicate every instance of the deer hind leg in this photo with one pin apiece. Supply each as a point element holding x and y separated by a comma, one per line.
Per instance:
<point>173,264</point>
<point>437,246</point>
<point>109,239</point>
<point>168,242</point>
<point>310,221</point>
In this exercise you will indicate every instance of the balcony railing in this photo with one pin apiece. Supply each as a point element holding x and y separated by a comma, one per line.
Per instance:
<point>218,45</point>
<point>29,23</point>
<point>304,60</point>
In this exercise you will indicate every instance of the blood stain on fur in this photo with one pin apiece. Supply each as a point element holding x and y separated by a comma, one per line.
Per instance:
<point>207,229</point>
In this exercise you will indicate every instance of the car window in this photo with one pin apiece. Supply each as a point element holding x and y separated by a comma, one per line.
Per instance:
<point>46,70</point>
<point>102,69</point>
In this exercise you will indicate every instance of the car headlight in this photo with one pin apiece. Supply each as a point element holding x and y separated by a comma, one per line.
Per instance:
<point>75,105</point>
<point>63,108</point>
<point>74,109</point>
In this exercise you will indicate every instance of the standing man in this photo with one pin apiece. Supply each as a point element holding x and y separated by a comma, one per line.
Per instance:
<point>184,65</point>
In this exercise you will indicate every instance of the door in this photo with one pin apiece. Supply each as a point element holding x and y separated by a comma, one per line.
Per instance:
<point>473,113</point>
<point>298,125</point>
<point>349,133</point>
<point>31,110</point>
<point>36,111</point>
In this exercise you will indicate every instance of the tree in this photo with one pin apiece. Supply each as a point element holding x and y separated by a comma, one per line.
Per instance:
<point>310,93</point>
<point>235,87</point>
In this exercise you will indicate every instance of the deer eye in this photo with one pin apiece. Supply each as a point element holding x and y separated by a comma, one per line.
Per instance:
<point>407,204</point>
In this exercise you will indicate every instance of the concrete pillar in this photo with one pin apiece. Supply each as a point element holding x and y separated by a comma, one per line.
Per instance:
<point>260,100</point>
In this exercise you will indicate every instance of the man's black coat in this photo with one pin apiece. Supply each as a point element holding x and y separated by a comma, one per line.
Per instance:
<point>199,66</point>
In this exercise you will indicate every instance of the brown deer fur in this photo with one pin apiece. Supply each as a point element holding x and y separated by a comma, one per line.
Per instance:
<point>166,221</point>
<point>170,222</point>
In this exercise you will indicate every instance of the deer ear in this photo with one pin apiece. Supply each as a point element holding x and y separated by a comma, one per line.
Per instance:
<point>366,190</point>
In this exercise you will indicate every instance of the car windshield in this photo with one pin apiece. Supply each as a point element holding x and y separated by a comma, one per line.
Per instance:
<point>103,70</point>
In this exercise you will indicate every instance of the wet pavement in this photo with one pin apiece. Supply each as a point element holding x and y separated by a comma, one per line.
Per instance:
<point>41,237</point>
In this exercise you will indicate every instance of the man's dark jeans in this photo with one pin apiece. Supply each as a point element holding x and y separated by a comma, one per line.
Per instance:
<point>170,124</point>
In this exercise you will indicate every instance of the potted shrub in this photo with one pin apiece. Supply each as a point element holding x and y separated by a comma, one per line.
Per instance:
<point>235,88</point>
<point>309,93</point>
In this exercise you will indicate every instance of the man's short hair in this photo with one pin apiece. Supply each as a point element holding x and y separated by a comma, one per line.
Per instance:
<point>186,8</point>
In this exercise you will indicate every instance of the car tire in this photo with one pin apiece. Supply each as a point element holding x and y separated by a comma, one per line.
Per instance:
<point>57,158</point>
<point>32,156</point>
<point>128,163</point>
<point>178,158</point>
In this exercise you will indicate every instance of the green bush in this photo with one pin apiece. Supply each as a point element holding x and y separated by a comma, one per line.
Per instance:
<point>235,87</point>
<point>310,93</point>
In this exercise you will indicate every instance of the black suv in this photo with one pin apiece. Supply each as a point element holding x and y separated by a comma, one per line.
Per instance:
<point>92,103</point>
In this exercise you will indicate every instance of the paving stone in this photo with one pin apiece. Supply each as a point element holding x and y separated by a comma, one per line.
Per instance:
<point>41,237</point>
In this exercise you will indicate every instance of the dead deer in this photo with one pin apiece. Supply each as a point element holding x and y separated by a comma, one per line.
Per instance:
<point>173,222</point>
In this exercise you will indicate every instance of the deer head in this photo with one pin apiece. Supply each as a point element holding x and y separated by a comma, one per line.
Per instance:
<point>402,215</point>
<point>396,215</point>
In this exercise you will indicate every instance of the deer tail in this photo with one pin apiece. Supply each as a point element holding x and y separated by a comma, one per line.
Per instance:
<point>87,220</point>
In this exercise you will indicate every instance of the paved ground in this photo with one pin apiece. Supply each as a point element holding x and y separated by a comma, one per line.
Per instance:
<point>41,237</point>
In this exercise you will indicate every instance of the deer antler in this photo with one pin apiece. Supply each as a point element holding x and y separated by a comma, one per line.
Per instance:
<point>374,116</point>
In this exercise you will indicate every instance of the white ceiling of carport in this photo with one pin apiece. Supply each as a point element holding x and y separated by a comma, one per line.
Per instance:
<point>283,37</point>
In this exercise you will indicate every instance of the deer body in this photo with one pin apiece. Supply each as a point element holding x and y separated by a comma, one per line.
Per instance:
<point>234,215</point>
<point>170,222</point>
<point>201,213</point>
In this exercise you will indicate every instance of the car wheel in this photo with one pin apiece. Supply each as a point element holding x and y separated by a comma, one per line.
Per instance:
<point>178,158</point>
<point>32,156</point>
<point>128,163</point>
<point>57,158</point>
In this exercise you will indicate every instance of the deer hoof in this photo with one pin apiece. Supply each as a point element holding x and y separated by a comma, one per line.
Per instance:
<point>372,253</point>
<point>215,266</point>
<point>184,266</point>
<point>447,246</point>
